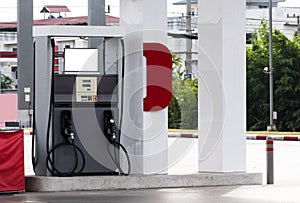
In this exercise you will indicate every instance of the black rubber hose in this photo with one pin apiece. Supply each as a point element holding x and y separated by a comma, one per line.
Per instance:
<point>127,158</point>
<point>53,169</point>
<point>33,157</point>
<point>121,117</point>
<point>116,159</point>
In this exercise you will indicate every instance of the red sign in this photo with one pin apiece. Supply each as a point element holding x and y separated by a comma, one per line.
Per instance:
<point>159,76</point>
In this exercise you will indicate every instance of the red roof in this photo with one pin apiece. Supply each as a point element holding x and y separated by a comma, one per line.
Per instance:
<point>54,9</point>
<point>8,25</point>
<point>80,20</point>
<point>73,21</point>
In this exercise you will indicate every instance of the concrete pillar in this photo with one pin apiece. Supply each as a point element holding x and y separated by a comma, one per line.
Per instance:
<point>96,16</point>
<point>131,21</point>
<point>25,60</point>
<point>96,12</point>
<point>155,122</point>
<point>222,89</point>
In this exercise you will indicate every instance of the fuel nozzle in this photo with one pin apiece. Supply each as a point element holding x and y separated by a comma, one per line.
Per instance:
<point>66,123</point>
<point>72,136</point>
<point>113,128</point>
<point>110,127</point>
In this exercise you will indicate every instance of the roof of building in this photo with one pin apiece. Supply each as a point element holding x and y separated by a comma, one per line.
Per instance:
<point>183,2</point>
<point>55,9</point>
<point>80,20</point>
<point>264,1</point>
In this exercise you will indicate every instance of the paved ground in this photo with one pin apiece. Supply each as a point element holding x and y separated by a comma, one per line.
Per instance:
<point>245,194</point>
<point>286,188</point>
<point>286,159</point>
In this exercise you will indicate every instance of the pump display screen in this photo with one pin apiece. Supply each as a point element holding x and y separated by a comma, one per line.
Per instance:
<point>81,60</point>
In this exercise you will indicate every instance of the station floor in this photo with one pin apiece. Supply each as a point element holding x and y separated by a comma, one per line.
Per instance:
<point>286,188</point>
<point>245,194</point>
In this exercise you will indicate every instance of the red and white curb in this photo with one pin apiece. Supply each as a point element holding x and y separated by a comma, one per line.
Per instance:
<point>274,137</point>
<point>195,135</point>
<point>249,136</point>
<point>183,135</point>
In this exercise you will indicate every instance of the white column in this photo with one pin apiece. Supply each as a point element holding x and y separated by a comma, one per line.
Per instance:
<point>222,89</point>
<point>155,122</point>
<point>131,21</point>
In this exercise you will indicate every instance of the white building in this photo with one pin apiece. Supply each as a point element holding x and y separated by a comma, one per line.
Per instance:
<point>261,4</point>
<point>8,41</point>
<point>8,55</point>
<point>284,19</point>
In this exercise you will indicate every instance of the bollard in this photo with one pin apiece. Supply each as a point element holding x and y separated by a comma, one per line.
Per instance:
<point>270,160</point>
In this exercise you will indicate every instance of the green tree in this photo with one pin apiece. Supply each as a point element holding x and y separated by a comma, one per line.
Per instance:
<point>286,64</point>
<point>6,82</point>
<point>174,111</point>
<point>183,109</point>
<point>174,114</point>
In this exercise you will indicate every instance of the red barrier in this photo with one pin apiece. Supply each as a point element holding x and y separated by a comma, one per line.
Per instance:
<point>12,176</point>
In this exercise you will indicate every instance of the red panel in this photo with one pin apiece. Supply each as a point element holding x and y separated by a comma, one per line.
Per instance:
<point>261,137</point>
<point>12,161</point>
<point>287,138</point>
<point>56,62</point>
<point>8,54</point>
<point>56,68</point>
<point>159,76</point>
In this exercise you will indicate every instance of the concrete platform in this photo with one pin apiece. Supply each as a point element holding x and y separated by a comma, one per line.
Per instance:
<point>90,183</point>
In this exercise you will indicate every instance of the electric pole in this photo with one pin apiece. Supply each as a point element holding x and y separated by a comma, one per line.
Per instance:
<point>271,126</point>
<point>188,61</point>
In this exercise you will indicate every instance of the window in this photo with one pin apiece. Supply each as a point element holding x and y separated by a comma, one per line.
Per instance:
<point>261,6</point>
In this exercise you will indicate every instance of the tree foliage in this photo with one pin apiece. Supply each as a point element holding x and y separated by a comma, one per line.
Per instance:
<point>183,109</point>
<point>6,82</point>
<point>286,64</point>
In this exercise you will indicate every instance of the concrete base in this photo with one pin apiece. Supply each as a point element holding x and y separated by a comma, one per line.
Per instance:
<point>85,183</point>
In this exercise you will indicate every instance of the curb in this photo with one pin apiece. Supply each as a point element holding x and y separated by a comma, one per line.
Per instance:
<point>93,183</point>
<point>183,135</point>
<point>249,137</point>
<point>195,135</point>
<point>278,138</point>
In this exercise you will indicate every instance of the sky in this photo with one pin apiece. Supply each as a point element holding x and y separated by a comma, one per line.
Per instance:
<point>8,8</point>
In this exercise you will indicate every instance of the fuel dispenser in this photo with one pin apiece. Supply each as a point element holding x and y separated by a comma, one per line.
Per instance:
<point>78,110</point>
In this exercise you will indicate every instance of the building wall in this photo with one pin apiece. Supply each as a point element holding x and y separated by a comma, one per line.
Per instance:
<point>8,108</point>
<point>253,20</point>
<point>280,19</point>
<point>8,42</point>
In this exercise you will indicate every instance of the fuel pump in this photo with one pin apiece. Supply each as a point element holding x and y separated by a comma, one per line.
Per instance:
<point>84,115</point>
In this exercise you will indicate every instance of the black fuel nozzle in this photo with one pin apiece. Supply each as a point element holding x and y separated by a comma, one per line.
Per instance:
<point>66,123</point>
<point>110,127</point>
<point>113,129</point>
